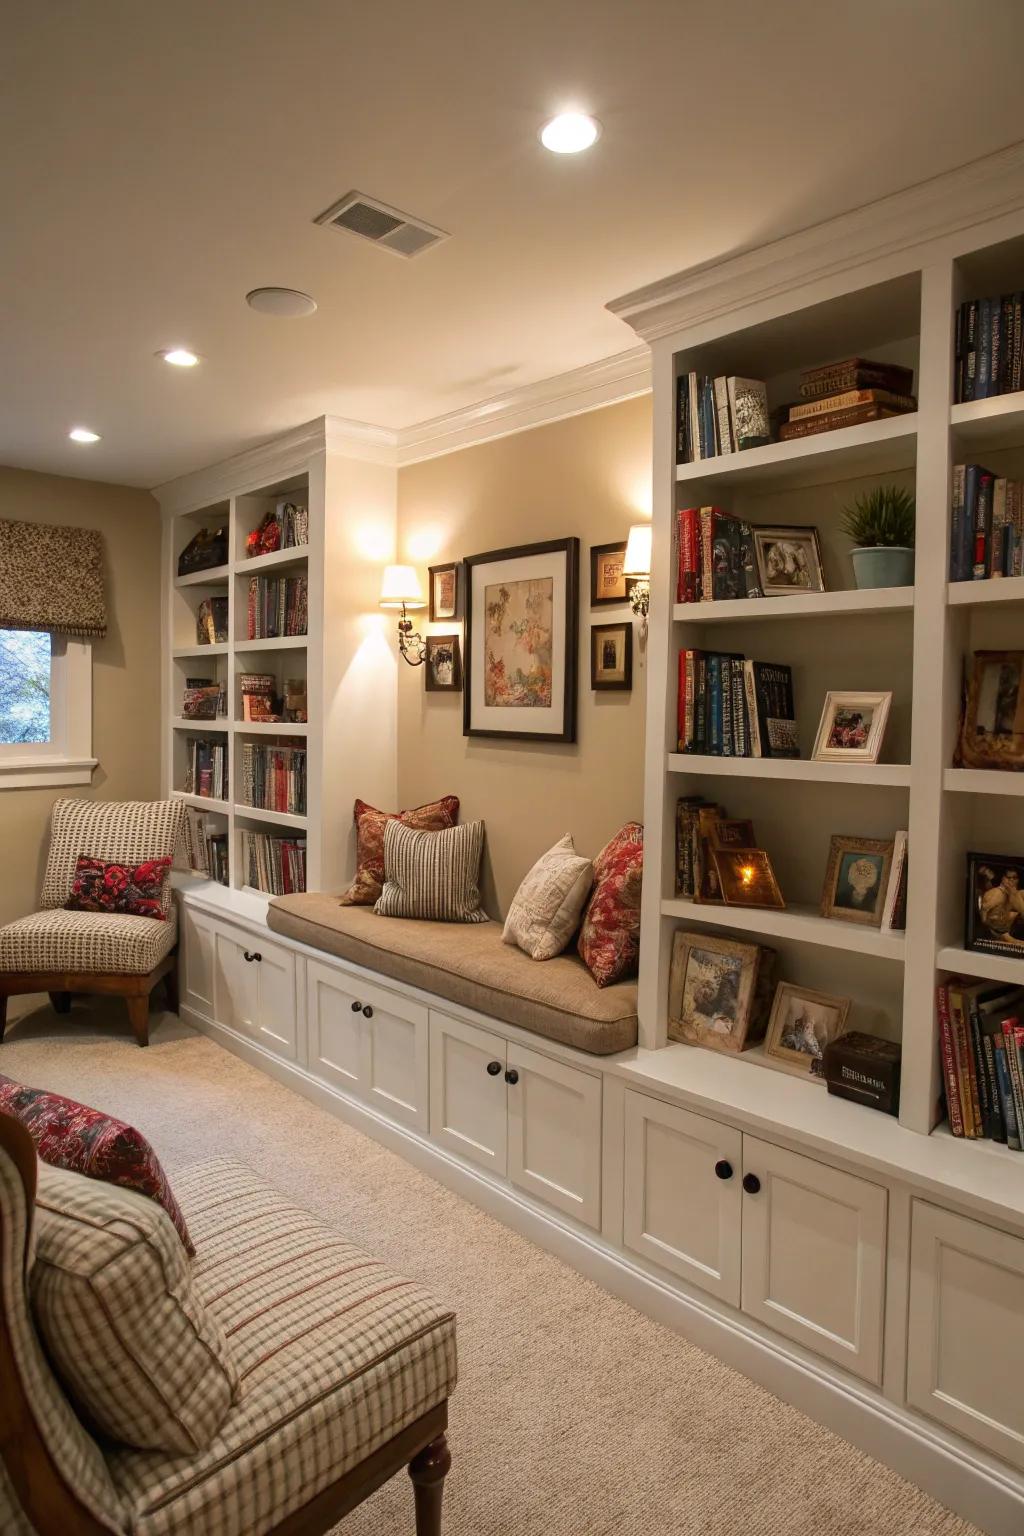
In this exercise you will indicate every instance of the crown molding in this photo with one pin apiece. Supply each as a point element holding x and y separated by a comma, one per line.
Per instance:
<point>969,195</point>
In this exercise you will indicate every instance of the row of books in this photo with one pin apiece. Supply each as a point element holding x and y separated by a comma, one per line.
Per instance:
<point>719,415</point>
<point>274,778</point>
<point>210,846</point>
<point>847,393</point>
<point>989,346</point>
<point>982,1042</point>
<point>204,699</point>
<point>206,768</point>
<point>287,527</point>
<point>986,536</point>
<point>715,557</point>
<point>732,707</point>
<point>277,605</point>
<point>212,621</point>
<point>276,865</point>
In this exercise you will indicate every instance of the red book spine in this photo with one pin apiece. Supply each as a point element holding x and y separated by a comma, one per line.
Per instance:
<point>689,564</point>
<point>956,1120</point>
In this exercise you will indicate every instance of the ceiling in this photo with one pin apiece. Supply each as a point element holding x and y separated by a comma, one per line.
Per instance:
<point>162,160</point>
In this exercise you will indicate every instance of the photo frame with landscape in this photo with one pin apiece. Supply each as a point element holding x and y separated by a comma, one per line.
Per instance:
<point>992,731</point>
<point>802,1023</point>
<point>443,664</point>
<point>608,586</point>
<point>852,727</point>
<point>611,657</point>
<point>443,584</point>
<point>857,879</point>
<point>788,561</point>
<point>717,991</point>
<point>994,922</point>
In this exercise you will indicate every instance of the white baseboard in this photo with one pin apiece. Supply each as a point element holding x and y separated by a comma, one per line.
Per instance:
<point>960,1478</point>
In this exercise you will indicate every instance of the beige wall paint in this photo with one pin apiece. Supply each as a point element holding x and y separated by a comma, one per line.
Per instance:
<point>126,665</point>
<point>588,476</point>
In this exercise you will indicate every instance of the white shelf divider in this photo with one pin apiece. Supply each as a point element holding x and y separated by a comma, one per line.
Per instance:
<point>994,423</point>
<point>983,781</point>
<point>873,448</point>
<point>996,589</point>
<point>297,554</point>
<point>275,643</point>
<point>216,576</point>
<point>877,775</point>
<point>802,924</point>
<point>180,723</point>
<point>273,818</point>
<point>809,605</point>
<point>271,728</point>
<point>971,962</point>
<point>187,652</point>
<point>202,802</point>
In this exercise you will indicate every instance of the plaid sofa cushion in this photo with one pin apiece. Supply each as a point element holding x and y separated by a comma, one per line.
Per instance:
<point>336,1355</point>
<point>113,1298</point>
<point>115,831</point>
<point>87,941</point>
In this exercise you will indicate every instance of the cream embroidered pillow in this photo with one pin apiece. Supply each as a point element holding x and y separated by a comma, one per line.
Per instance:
<point>545,911</point>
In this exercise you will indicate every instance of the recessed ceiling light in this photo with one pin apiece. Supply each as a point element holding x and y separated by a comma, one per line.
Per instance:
<point>570,132</point>
<point>287,303</point>
<point>179,357</point>
<point>83,435</point>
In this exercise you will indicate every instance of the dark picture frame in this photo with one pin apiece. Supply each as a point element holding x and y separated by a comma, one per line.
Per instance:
<point>437,644</point>
<point>611,679</point>
<point>598,556</point>
<point>552,563</point>
<point>993,921</point>
<point>439,612</point>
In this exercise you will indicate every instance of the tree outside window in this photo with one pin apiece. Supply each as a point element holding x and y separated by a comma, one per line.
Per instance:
<point>25,667</point>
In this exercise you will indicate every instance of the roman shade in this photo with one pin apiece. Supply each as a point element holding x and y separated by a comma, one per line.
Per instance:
<point>52,579</point>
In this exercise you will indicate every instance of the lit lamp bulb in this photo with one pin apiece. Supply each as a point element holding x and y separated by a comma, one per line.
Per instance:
<point>400,588</point>
<point>636,567</point>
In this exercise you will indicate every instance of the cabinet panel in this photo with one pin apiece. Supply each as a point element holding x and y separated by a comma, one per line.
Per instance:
<point>276,1016</point>
<point>335,1027</point>
<point>235,983</point>
<point>255,996</point>
<point>197,944</point>
<point>554,1133</point>
<point>965,1346</point>
<point>467,1103</point>
<point>370,1041</point>
<point>814,1256</point>
<point>397,1063</point>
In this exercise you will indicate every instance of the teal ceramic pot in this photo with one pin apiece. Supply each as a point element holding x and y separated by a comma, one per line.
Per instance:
<point>881,567</point>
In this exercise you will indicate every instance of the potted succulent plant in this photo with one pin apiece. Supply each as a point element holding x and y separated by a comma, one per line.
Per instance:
<point>881,527</point>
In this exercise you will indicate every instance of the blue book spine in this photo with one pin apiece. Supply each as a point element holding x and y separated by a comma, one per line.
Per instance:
<point>714,707</point>
<point>1006,1095</point>
<point>956,525</point>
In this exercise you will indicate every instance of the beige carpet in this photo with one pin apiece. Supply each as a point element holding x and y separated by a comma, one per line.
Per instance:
<point>575,1415</point>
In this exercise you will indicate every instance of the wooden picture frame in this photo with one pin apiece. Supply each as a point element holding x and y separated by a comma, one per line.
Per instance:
<point>802,1023</point>
<point>717,992</point>
<point>993,921</point>
<point>788,561</point>
<point>609,588</point>
<point>442,665</point>
<point>443,584</point>
<point>747,879</point>
<point>522,642</point>
<point>852,727</point>
<point>611,657</point>
<point>992,732</point>
<point>857,878</point>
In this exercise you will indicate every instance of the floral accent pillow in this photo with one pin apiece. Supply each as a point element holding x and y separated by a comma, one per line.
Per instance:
<point>609,941</point>
<point>78,1139</point>
<point>370,823</point>
<point>133,890</point>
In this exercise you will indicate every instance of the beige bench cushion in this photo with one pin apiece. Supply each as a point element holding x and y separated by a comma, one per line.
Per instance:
<point>110,942</point>
<point>336,1354</point>
<point>469,964</point>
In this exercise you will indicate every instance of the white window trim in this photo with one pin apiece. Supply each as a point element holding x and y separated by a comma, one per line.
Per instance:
<point>67,757</point>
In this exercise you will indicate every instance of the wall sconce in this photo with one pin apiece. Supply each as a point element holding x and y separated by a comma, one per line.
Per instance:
<point>637,568</point>
<point>400,588</point>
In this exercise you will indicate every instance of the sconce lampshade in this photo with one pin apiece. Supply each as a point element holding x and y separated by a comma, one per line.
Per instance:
<point>638,551</point>
<point>400,587</point>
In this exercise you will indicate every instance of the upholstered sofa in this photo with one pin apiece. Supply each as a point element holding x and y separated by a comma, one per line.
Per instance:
<point>341,1368</point>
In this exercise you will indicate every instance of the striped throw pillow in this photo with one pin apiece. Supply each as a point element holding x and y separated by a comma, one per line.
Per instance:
<point>435,875</point>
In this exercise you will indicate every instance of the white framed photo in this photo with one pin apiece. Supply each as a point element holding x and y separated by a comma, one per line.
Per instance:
<point>852,727</point>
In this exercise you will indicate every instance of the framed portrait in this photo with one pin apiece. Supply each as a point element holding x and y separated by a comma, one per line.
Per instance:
<point>747,879</point>
<point>992,734</point>
<point>995,904</point>
<point>522,639</point>
<point>856,879</point>
<point>608,585</point>
<point>788,561</point>
<point>717,991</point>
<point>801,1025</point>
<point>443,665</point>
<point>443,581</point>
<point>852,727</point>
<point>611,656</point>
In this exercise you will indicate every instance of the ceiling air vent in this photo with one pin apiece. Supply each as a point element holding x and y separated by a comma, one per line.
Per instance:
<point>384,226</point>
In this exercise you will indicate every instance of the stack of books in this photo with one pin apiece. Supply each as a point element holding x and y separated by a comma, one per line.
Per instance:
<point>982,1042</point>
<point>294,523</point>
<point>731,707</point>
<point>203,699</point>
<point>206,768</point>
<point>989,346</point>
<point>277,606</point>
<point>986,533</point>
<point>847,393</point>
<point>210,846</point>
<point>719,415</point>
<point>257,691</point>
<point>276,865</point>
<point>274,778</point>
<point>715,557</point>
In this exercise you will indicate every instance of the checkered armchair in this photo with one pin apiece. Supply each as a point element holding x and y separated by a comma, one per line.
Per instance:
<point>61,952</point>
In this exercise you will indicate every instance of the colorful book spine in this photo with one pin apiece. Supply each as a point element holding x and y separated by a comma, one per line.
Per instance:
<point>953,1106</point>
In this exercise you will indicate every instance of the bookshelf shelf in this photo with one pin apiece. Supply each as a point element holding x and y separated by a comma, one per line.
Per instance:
<point>803,925</point>
<point>896,775</point>
<point>989,424</point>
<point>276,643</point>
<point>217,575</point>
<point>983,781</point>
<point>999,589</point>
<point>296,555</point>
<point>187,652</point>
<point>809,605</point>
<point>274,818</point>
<point>270,728</point>
<point>873,448</point>
<point>201,802</point>
<point>179,723</point>
<point>970,962</point>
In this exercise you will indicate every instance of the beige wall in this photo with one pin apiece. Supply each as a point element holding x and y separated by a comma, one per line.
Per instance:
<point>126,665</point>
<point>588,476</point>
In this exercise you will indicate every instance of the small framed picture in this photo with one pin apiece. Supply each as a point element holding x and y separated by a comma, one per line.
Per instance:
<point>995,904</point>
<point>802,1024</point>
<point>611,656</point>
<point>788,561</point>
<point>444,591</point>
<point>852,727</point>
<point>718,990</point>
<point>608,585</point>
<point>992,734</point>
<point>747,878</point>
<point>729,832</point>
<point>856,879</point>
<point>443,666</point>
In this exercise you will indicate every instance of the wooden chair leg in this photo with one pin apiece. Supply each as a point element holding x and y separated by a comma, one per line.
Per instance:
<point>138,1016</point>
<point>428,1471</point>
<point>171,988</point>
<point>60,1002</point>
<point>3,1016</point>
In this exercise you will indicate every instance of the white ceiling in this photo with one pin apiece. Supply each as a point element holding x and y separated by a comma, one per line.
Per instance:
<point>162,159</point>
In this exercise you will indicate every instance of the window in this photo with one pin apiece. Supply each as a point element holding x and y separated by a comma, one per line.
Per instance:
<point>45,709</point>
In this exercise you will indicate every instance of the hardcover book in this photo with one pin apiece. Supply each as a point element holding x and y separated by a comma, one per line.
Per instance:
<point>770,714</point>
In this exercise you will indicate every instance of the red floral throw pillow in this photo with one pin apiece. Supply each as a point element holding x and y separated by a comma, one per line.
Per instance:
<point>370,824</point>
<point>134,890</point>
<point>78,1139</point>
<point>609,940</point>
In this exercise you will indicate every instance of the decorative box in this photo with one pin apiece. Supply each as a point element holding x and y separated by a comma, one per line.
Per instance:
<point>866,1069</point>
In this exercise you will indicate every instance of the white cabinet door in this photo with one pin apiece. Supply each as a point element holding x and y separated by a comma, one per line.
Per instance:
<point>554,1133</point>
<point>197,947</point>
<point>335,1023</point>
<point>682,1193</point>
<point>814,1255</point>
<point>965,1344</point>
<point>235,981</point>
<point>276,1015</point>
<point>254,987</point>
<point>468,1111</point>
<point>370,1041</point>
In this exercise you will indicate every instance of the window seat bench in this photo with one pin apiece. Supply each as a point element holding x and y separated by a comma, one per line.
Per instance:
<point>468,963</point>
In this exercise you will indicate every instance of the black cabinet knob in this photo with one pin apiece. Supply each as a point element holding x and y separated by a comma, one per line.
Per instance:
<point>723,1168</point>
<point>357,1007</point>
<point>751,1183</point>
<point>493,1068</point>
<point>367,1011</point>
<point>255,956</point>
<point>512,1076</point>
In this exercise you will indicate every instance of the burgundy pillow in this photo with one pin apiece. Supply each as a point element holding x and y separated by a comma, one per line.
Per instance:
<point>609,940</point>
<point>133,890</point>
<point>82,1140</point>
<point>370,823</point>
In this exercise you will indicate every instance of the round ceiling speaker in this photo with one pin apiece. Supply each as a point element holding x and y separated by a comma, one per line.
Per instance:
<point>286,303</point>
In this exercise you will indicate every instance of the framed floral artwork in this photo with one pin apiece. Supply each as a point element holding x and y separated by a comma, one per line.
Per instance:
<point>522,638</point>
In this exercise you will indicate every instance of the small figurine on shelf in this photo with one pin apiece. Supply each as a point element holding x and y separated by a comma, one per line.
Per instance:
<point>265,539</point>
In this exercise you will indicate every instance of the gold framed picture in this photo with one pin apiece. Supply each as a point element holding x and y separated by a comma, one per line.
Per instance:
<point>992,733</point>
<point>747,879</point>
<point>608,585</point>
<point>802,1024</point>
<point>856,879</point>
